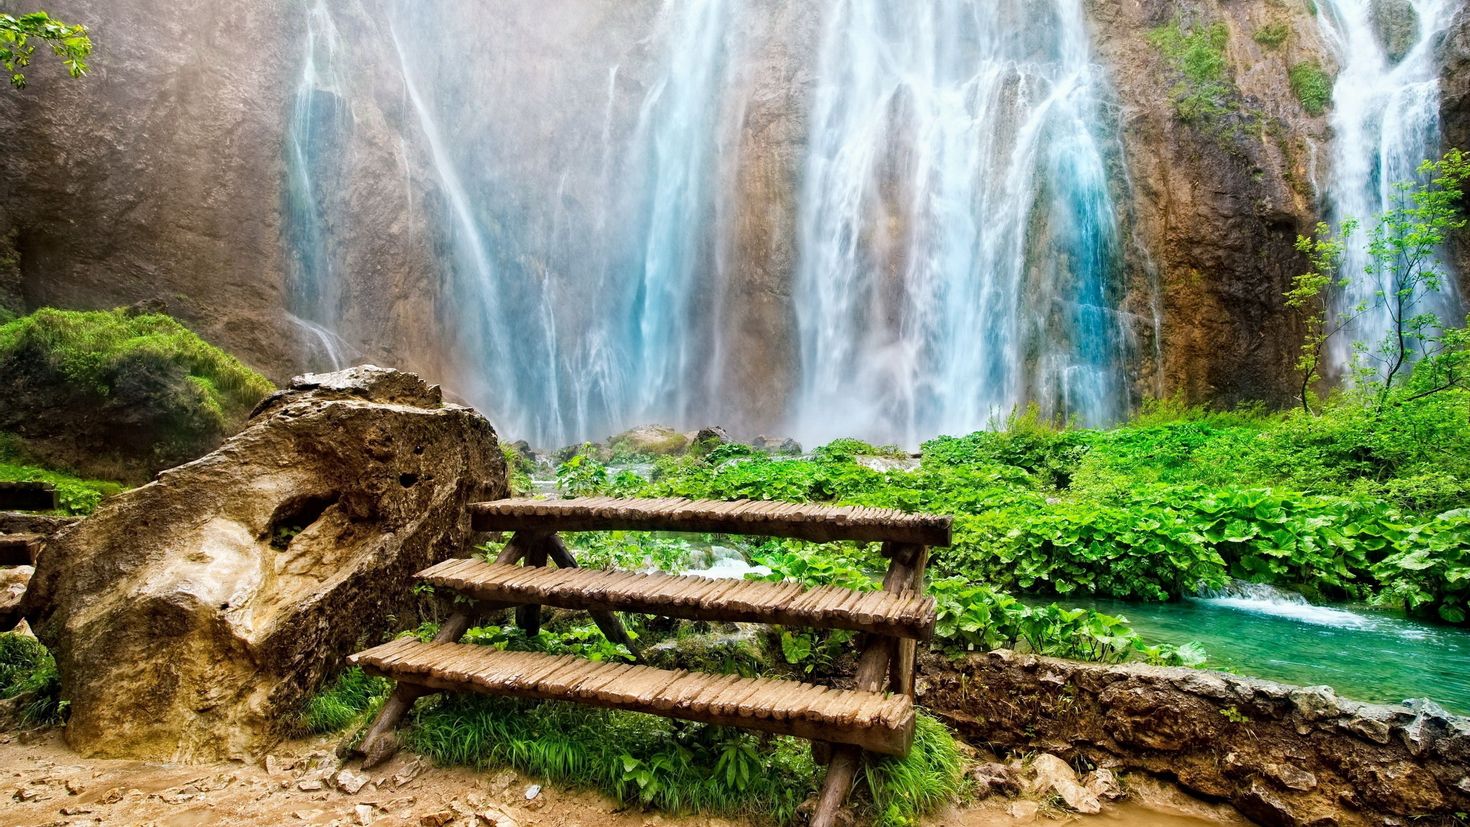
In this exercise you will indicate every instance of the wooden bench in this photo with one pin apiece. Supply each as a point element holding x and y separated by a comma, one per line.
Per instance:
<point>877,715</point>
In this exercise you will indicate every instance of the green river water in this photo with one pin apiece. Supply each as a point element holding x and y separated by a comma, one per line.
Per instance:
<point>1364,654</point>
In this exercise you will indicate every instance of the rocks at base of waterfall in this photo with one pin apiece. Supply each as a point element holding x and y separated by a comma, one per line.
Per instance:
<point>995,778</point>
<point>707,439</point>
<point>776,445</point>
<point>1283,755</point>
<point>1050,774</point>
<point>191,618</point>
<point>649,440</point>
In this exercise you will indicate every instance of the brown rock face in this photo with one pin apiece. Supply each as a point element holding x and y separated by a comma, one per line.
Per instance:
<point>157,175</point>
<point>1283,756</point>
<point>1216,205</point>
<point>191,617</point>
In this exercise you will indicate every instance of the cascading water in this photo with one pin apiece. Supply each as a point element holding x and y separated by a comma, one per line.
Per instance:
<point>959,252</point>
<point>314,136</point>
<point>579,298</point>
<point>1385,122</point>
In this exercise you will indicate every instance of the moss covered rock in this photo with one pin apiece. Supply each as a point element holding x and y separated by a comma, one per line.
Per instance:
<point>119,394</point>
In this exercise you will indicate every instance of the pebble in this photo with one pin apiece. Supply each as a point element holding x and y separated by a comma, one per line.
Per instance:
<point>350,782</point>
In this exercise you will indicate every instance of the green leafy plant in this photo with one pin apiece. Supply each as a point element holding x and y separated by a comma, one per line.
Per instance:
<point>1205,91</point>
<point>1312,85</point>
<point>70,43</point>
<point>1273,34</point>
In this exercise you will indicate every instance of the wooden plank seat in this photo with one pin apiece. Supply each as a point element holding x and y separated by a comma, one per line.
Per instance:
<point>907,614</point>
<point>875,721</point>
<point>19,549</point>
<point>818,523</point>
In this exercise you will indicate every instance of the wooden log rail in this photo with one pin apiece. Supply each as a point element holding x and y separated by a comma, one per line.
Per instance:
<point>875,716</point>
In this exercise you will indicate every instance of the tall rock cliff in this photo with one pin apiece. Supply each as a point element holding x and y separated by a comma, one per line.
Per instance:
<point>158,175</point>
<point>1219,198</point>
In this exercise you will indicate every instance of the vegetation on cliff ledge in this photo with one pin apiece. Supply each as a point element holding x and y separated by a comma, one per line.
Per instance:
<point>117,394</point>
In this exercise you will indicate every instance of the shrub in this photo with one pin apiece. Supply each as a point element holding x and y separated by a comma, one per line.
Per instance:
<point>1312,85</point>
<point>118,394</point>
<point>28,672</point>
<point>1272,35</point>
<point>1197,54</point>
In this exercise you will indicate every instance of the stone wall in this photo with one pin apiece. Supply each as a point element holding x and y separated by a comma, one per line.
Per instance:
<point>1281,755</point>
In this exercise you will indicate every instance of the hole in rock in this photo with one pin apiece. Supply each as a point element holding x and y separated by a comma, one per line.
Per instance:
<point>295,515</point>
<point>407,480</point>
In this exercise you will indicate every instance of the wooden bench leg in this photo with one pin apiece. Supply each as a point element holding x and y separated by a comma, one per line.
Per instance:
<point>905,567</point>
<point>611,627</point>
<point>380,743</point>
<point>528,617</point>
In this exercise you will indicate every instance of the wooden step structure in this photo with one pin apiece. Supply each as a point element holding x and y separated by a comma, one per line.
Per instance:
<point>876,715</point>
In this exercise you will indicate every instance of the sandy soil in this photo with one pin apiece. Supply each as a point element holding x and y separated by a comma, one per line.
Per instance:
<point>45,783</point>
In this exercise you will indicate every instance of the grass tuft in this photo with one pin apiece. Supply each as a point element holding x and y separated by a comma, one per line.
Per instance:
<point>931,775</point>
<point>638,759</point>
<point>28,672</point>
<point>354,696</point>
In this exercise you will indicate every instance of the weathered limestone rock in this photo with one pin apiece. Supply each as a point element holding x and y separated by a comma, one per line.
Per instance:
<point>191,617</point>
<point>655,440</point>
<point>1283,756</point>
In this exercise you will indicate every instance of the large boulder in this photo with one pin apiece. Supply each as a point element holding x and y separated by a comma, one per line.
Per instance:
<point>191,617</point>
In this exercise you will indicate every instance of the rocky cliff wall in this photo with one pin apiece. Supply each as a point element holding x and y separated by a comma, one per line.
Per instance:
<point>1217,201</point>
<point>158,175</point>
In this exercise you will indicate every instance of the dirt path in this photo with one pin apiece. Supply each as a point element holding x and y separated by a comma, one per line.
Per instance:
<point>45,783</point>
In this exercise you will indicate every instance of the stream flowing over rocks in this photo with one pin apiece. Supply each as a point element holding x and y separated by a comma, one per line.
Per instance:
<point>1281,755</point>
<point>191,617</point>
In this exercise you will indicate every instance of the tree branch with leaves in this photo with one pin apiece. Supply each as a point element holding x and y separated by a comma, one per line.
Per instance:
<point>18,34</point>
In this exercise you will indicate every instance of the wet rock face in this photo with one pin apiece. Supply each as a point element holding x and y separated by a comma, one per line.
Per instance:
<point>1454,114</point>
<point>1214,206</point>
<point>190,618</point>
<point>1282,756</point>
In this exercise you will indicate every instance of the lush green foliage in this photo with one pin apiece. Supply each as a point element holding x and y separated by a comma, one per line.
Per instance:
<point>1431,569</point>
<point>1178,501</point>
<point>518,469</point>
<point>70,43</point>
<point>1196,53</point>
<point>74,495</point>
<point>28,672</point>
<point>1312,85</point>
<point>351,698</point>
<point>99,350</point>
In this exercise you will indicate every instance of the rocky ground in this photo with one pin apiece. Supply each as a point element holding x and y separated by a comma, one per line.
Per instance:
<point>45,783</point>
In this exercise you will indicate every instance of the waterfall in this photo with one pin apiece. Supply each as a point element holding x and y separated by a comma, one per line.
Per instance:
<point>577,287</point>
<point>314,137</point>
<point>675,140</point>
<point>1385,122</point>
<point>959,248</point>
